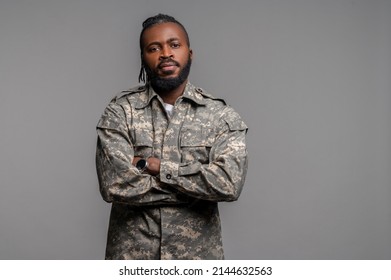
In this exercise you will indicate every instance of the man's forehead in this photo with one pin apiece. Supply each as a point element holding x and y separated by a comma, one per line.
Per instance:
<point>167,30</point>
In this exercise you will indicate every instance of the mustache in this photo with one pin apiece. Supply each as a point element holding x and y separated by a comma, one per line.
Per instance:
<point>168,61</point>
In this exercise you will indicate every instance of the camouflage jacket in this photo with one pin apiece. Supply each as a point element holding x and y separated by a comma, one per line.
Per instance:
<point>203,161</point>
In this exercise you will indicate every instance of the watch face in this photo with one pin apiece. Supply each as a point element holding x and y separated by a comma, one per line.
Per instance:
<point>141,164</point>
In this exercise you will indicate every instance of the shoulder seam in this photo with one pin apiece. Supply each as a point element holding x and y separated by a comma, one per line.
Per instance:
<point>208,95</point>
<point>128,91</point>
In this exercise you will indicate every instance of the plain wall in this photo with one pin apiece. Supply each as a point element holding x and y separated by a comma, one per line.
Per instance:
<point>311,79</point>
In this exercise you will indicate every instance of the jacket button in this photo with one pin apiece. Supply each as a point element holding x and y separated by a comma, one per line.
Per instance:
<point>168,176</point>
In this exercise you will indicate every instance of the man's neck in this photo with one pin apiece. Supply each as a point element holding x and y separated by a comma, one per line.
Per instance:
<point>170,97</point>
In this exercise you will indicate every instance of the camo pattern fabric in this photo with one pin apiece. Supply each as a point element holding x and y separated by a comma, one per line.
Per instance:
<point>203,161</point>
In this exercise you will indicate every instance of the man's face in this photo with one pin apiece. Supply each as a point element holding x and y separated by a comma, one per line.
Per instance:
<point>166,56</point>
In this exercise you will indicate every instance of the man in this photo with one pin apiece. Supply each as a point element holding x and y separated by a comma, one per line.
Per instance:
<point>167,152</point>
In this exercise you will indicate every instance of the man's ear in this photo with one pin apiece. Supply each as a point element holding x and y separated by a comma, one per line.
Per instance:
<point>191,53</point>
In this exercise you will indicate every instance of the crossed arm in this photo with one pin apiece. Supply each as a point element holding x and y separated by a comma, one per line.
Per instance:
<point>166,181</point>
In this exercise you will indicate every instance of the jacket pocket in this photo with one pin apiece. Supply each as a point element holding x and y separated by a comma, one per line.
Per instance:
<point>195,144</point>
<point>142,142</point>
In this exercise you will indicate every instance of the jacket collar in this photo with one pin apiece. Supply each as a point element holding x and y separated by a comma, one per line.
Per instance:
<point>191,93</point>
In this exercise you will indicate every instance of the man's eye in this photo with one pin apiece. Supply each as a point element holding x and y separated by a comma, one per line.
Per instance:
<point>175,45</point>
<point>153,49</point>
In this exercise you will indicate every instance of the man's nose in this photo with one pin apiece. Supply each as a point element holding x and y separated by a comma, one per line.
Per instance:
<point>166,53</point>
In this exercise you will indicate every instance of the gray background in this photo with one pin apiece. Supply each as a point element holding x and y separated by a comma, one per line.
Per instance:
<point>311,79</point>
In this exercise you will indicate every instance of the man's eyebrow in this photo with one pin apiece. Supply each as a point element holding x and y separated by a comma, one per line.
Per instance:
<point>169,40</point>
<point>173,39</point>
<point>152,43</point>
<point>159,43</point>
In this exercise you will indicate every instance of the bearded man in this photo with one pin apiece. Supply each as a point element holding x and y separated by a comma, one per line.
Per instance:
<point>167,153</point>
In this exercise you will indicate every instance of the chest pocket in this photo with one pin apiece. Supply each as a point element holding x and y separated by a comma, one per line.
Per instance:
<point>142,142</point>
<point>196,143</point>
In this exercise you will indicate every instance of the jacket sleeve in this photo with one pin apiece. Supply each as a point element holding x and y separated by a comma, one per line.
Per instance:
<point>119,180</point>
<point>222,179</point>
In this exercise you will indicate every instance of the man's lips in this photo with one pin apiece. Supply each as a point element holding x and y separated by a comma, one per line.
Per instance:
<point>168,65</point>
<point>168,69</point>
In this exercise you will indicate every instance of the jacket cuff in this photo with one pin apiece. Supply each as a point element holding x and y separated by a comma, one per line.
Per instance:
<point>168,171</point>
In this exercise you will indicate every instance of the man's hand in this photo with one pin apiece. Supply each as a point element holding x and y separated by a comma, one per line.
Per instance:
<point>153,165</point>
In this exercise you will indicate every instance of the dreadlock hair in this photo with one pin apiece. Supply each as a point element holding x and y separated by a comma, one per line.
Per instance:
<point>149,22</point>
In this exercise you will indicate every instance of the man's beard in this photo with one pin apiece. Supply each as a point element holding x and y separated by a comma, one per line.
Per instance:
<point>160,84</point>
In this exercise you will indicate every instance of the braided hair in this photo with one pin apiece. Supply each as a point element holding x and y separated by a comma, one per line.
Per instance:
<point>149,22</point>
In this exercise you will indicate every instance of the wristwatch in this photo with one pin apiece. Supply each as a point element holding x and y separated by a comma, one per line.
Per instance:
<point>142,164</point>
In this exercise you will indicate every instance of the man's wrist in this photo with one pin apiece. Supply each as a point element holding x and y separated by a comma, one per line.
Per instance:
<point>150,165</point>
<point>142,164</point>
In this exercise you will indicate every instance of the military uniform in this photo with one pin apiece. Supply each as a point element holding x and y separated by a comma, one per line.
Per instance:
<point>203,161</point>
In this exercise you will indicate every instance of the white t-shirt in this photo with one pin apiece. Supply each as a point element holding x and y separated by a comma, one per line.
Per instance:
<point>169,109</point>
